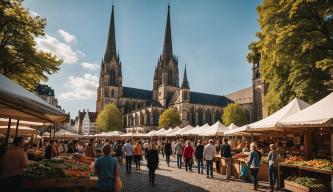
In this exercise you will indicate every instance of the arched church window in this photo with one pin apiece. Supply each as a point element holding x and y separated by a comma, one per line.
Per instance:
<point>112,77</point>
<point>217,116</point>
<point>156,116</point>
<point>208,117</point>
<point>112,93</point>
<point>200,117</point>
<point>147,118</point>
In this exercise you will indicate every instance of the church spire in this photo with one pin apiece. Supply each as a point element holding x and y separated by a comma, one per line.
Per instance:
<point>167,46</point>
<point>111,50</point>
<point>185,84</point>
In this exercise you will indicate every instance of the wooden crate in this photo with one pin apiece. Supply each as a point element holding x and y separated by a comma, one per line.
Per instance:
<point>295,187</point>
<point>263,173</point>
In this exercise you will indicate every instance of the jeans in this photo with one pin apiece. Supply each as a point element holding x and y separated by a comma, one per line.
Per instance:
<point>167,158</point>
<point>254,173</point>
<point>152,174</point>
<point>209,167</point>
<point>272,172</point>
<point>137,159</point>
<point>218,162</point>
<point>128,163</point>
<point>188,164</point>
<point>200,165</point>
<point>228,169</point>
<point>179,160</point>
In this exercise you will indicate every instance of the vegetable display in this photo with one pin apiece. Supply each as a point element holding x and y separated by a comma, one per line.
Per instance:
<point>43,170</point>
<point>307,181</point>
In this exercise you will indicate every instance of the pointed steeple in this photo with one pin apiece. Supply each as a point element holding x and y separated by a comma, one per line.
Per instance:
<point>111,50</point>
<point>185,84</point>
<point>167,46</point>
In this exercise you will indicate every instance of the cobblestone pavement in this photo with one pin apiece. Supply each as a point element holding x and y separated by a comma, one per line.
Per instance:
<point>172,179</point>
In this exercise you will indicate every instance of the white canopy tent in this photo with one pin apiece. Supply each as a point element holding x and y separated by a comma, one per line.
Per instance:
<point>197,130</point>
<point>173,131</point>
<point>165,133</point>
<point>232,126</point>
<point>158,132</point>
<point>65,133</point>
<point>217,129</point>
<point>237,131</point>
<point>150,133</point>
<point>22,130</point>
<point>270,122</point>
<point>181,131</point>
<point>319,114</point>
<point>132,135</point>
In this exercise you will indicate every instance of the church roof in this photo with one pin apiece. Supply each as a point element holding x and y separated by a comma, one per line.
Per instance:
<point>208,99</point>
<point>242,96</point>
<point>129,92</point>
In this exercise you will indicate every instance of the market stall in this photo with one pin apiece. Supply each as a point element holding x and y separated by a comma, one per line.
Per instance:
<point>69,171</point>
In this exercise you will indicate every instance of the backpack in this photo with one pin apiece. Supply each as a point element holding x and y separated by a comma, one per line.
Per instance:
<point>119,150</point>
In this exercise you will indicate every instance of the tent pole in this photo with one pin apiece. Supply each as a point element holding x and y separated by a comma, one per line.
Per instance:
<point>8,131</point>
<point>17,124</point>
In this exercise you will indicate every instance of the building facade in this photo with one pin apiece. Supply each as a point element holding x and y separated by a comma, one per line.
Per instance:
<point>85,122</point>
<point>142,108</point>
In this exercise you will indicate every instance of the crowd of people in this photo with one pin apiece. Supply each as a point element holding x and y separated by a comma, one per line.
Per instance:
<point>109,153</point>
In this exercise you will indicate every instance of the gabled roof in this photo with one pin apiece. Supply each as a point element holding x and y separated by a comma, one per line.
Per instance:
<point>209,99</point>
<point>129,92</point>
<point>242,96</point>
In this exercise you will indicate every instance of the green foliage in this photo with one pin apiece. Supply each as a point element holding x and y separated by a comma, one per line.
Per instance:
<point>233,114</point>
<point>296,50</point>
<point>19,58</point>
<point>110,119</point>
<point>169,118</point>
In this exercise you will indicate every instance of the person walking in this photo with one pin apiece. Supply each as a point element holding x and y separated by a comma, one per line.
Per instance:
<point>199,156</point>
<point>273,160</point>
<point>106,169</point>
<point>209,154</point>
<point>152,162</point>
<point>137,155</point>
<point>167,151</point>
<point>188,155</point>
<point>90,150</point>
<point>226,154</point>
<point>254,163</point>
<point>128,152</point>
<point>12,166</point>
<point>179,150</point>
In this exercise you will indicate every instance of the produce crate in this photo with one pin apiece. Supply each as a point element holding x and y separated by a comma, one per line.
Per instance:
<point>295,187</point>
<point>263,172</point>
<point>223,166</point>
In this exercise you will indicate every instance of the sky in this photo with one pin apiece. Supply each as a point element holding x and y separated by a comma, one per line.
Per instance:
<point>210,37</point>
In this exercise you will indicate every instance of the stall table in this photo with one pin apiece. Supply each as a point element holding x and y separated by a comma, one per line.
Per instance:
<point>286,170</point>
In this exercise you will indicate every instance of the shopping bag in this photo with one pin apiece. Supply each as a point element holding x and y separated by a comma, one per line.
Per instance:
<point>244,171</point>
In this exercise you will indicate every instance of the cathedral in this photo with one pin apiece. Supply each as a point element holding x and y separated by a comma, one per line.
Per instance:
<point>141,108</point>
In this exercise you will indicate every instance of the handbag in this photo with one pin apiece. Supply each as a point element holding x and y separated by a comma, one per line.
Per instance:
<point>244,171</point>
<point>118,185</point>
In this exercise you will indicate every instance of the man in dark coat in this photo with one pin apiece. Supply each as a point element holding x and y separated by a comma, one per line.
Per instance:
<point>167,151</point>
<point>152,162</point>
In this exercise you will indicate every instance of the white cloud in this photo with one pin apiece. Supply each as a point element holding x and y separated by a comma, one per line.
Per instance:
<point>90,66</point>
<point>82,87</point>
<point>68,38</point>
<point>64,51</point>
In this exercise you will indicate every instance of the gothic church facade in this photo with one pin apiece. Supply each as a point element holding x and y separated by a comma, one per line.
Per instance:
<point>141,108</point>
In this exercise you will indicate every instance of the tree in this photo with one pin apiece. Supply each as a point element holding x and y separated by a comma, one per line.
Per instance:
<point>110,119</point>
<point>234,114</point>
<point>19,58</point>
<point>295,49</point>
<point>169,118</point>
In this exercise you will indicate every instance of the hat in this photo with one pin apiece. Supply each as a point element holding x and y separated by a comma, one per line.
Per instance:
<point>210,140</point>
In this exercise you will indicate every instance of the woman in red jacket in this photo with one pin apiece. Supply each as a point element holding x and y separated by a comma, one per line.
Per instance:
<point>188,155</point>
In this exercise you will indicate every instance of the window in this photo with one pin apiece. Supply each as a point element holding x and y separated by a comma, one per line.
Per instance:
<point>112,93</point>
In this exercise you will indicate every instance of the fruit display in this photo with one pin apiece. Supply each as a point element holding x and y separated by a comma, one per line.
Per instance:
<point>307,182</point>
<point>294,160</point>
<point>43,170</point>
<point>319,164</point>
<point>322,164</point>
